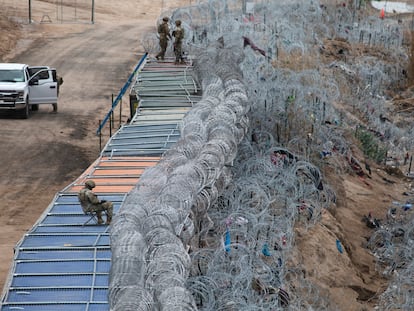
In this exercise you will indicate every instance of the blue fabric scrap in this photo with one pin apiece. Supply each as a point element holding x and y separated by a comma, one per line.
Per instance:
<point>265,250</point>
<point>227,241</point>
<point>339,246</point>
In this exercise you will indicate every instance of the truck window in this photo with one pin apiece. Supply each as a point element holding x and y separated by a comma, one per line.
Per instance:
<point>11,75</point>
<point>54,75</point>
<point>43,74</point>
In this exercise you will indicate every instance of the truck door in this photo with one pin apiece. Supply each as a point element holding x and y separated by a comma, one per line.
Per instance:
<point>42,87</point>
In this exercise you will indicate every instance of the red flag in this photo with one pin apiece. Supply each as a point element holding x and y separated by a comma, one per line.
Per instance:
<point>382,13</point>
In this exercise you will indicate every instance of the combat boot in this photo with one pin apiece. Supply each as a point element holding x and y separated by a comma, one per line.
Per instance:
<point>109,210</point>
<point>99,216</point>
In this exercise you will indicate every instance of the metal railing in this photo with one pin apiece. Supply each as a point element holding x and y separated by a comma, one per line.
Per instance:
<point>121,94</point>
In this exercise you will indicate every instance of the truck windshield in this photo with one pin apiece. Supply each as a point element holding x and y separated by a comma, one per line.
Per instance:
<point>11,75</point>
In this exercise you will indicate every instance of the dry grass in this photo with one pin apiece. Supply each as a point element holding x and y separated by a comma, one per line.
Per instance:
<point>9,34</point>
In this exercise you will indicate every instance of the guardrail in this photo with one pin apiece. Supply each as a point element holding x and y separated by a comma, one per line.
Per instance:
<point>121,94</point>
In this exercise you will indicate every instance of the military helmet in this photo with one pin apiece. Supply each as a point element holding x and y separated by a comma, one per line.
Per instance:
<point>165,19</point>
<point>90,184</point>
<point>178,22</point>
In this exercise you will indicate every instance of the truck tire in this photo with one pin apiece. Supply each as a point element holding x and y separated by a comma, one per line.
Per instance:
<point>35,107</point>
<point>25,112</point>
<point>54,107</point>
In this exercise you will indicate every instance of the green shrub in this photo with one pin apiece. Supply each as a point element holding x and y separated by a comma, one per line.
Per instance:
<point>370,145</point>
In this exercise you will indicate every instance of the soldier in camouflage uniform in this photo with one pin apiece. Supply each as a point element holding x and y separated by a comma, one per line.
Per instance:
<point>178,33</point>
<point>164,32</point>
<point>91,204</point>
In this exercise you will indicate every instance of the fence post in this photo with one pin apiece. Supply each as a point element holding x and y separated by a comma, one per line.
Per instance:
<point>93,12</point>
<point>30,11</point>
<point>120,113</point>
<point>111,118</point>
<point>100,137</point>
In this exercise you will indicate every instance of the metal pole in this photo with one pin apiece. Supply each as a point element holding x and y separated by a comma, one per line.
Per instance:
<point>111,118</point>
<point>111,123</point>
<point>100,137</point>
<point>93,12</point>
<point>30,11</point>
<point>120,113</point>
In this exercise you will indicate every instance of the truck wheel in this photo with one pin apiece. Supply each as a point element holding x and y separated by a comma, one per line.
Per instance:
<point>54,107</point>
<point>35,107</point>
<point>25,112</point>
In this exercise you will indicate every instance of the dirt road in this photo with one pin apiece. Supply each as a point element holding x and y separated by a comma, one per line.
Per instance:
<point>42,155</point>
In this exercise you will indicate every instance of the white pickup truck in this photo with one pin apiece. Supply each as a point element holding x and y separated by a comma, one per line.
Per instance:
<point>24,87</point>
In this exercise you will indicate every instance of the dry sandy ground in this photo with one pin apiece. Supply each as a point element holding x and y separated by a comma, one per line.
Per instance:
<point>45,153</point>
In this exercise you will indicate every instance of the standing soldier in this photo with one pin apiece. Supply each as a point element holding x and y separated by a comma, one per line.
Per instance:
<point>164,32</point>
<point>178,33</point>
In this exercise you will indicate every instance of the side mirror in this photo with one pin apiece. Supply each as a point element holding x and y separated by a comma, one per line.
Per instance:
<point>34,81</point>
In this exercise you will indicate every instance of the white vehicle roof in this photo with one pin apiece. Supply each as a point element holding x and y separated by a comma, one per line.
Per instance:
<point>12,66</point>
